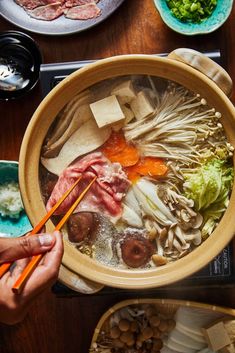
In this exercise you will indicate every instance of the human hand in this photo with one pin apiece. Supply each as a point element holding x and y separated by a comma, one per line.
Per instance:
<point>13,307</point>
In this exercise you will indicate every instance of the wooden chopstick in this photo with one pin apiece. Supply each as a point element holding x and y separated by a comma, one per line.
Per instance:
<point>19,284</point>
<point>4,267</point>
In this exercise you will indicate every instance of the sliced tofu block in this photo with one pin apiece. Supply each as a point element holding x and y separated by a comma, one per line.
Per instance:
<point>216,336</point>
<point>129,115</point>
<point>124,91</point>
<point>141,106</point>
<point>107,111</point>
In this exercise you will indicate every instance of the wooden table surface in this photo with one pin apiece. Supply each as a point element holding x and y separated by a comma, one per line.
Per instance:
<point>59,325</point>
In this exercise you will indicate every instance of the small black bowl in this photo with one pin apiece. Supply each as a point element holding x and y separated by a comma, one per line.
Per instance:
<point>20,60</point>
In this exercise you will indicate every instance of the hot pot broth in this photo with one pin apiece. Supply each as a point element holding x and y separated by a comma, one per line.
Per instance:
<point>163,166</point>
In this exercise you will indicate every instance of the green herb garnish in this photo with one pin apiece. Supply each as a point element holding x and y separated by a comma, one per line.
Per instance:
<point>192,10</point>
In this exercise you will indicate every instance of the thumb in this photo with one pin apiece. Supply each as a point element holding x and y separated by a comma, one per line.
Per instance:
<point>26,246</point>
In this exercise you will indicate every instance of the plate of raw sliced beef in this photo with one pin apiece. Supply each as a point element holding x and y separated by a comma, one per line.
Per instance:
<point>57,17</point>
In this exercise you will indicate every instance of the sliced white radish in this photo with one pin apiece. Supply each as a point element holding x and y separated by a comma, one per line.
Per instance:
<point>196,334</point>
<point>166,349</point>
<point>185,340</point>
<point>179,347</point>
<point>193,319</point>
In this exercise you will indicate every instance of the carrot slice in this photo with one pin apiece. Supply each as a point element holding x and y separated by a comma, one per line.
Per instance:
<point>114,144</point>
<point>129,156</point>
<point>147,166</point>
<point>116,149</point>
<point>132,175</point>
<point>151,166</point>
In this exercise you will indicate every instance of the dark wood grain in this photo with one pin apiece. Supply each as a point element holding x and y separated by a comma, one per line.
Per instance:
<point>59,325</point>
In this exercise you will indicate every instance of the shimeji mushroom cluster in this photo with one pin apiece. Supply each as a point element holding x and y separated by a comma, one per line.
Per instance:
<point>135,328</point>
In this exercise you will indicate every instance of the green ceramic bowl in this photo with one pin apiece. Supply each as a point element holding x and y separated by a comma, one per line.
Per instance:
<point>10,227</point>
<point>217,18</point>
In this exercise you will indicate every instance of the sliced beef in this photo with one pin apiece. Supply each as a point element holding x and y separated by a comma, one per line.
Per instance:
<point>83,12</point>
<point>72,3</point>
<point>106,193</point>
<point>47,12</point>
<point>32,4</point>
<point>112,175</point>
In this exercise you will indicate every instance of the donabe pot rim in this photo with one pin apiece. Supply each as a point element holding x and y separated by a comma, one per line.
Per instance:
<point>36,131</point>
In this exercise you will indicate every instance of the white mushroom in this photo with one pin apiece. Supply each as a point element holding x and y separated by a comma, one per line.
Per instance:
<point>190,211</point>
<point>160,250</point>
<point>183,253</point>
<point>185,216</point>
<point>177,245</point>
<point>181,236</point>
<point>159,260</point>
<point>170,238</point>
<point>198,221</point>
<point>152,231</point>
<point>163,234</point>
<point>195,236</point>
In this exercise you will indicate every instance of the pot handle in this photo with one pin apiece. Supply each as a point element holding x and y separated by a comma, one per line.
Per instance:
<point>206,66</point>
<point>78,283</point>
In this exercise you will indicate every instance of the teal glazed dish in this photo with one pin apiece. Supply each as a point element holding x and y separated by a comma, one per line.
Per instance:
<point>12,227</point>
<point>217,18</point>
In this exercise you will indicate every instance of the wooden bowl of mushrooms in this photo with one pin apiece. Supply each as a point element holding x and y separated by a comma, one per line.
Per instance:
<point>166,325</point>
<point>158,135</point>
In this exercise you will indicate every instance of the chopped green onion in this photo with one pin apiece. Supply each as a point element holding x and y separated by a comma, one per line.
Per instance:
<point>192,10</point>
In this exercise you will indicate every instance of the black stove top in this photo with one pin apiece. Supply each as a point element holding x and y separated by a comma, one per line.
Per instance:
<point>52,74</point>
<point>220,271</point>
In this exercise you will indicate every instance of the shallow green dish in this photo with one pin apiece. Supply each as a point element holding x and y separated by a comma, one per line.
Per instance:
<point>12,227</point>
<point>217,18</point>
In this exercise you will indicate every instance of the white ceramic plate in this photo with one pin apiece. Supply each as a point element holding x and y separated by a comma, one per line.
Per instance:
<point>60,26</point>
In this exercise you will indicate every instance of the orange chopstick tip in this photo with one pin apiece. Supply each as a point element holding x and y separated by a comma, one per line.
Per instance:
<point>5,267</point>
<point>21,281</point>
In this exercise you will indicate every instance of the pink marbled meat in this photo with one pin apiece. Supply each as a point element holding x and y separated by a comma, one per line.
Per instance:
<point>83,12</point>
<point>72,3</point>
<point>47,12</point>
<point>32,4</point>
<point>106,193</point>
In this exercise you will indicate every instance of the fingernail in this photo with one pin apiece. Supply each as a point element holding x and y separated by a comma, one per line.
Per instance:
<point>45,239</point>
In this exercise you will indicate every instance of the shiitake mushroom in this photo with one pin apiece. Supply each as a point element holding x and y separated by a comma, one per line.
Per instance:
<point>136,249</point>
<point>82,227</point>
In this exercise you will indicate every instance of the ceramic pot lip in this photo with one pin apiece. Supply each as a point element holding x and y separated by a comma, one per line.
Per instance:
<point>30,152</point>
